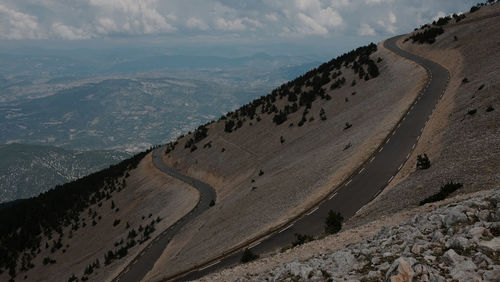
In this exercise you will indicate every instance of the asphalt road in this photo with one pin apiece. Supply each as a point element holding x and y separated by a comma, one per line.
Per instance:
<point>366,183</point>
<point>145,261</point>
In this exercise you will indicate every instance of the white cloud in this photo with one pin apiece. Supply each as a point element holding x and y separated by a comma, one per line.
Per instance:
<point>392,18</point>
<point>231,25</point>
<point>71,33</point>
<point>139,17</point>
<point>366,30</point>
<point>253,22</point>
<point>372,2</point>
<point>310,18</point>
<point>80,19</point>
<point>440,14</point>
<point>310,26</point>
<point>18,25</point>
<point>195,23</point>
<point>272,17</point>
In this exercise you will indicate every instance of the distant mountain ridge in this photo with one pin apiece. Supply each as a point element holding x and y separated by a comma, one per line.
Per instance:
<point>28,170</point>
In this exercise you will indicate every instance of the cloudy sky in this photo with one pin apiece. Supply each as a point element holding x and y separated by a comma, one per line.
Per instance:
<point>316,22</point>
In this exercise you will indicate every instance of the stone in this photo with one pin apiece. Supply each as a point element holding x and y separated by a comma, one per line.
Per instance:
<point>384,266</point>
<point>387,254</point>
<point>454,216</point>
<point>436,278</point>
<point>416,249</point>
<point>459,243</point>
<point>476,232</point>
<point>404,271</point>
<point>295,268</point>
<point>373,275</point>
<point>493,274</point>
<point>430,258</point>
<point>461,268</point>
<point>491,246</point>
<point>483,215</point>
<point>345,260</point>
<point>437,236</point>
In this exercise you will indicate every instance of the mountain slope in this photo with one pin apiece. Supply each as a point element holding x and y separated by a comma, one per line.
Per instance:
<point>266,171</point>
<point>28,170</point>
<point>271,160</point>
<point>461,141</point>
<point>462,136</point>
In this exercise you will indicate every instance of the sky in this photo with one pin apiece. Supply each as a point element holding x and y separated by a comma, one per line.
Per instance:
<point>306,26</point>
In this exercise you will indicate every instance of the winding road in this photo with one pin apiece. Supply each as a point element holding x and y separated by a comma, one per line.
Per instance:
<point>145,261</point>
<point>359,189</point>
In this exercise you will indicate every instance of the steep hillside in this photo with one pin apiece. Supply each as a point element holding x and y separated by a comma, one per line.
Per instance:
<point>95,237</point>
<point>460,240</point>
<point>28,170</point>
<point>462,136</point>
<point>280,154</point>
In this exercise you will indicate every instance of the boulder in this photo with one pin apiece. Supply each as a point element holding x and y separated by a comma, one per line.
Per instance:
<point>454,216</point>
<point>403,273</point>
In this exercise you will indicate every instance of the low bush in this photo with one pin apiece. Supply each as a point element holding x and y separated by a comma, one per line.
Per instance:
<point>427,36</point>
<point>443,193</point>
<point>423,162</point>
<point>333,222</point>
<point>301,239</point>
<point>248,256</point>
<point>347,126</point>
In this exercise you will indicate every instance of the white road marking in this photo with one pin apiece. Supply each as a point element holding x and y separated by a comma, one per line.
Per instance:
<point>387,141</point>
<point>255,245</point>
<point>413,147</point>
<point>394,132</point>
<point>331,197</point>
<point>372,159</point>
<point>315,209</point>
<point>421,129</point>
<point>390,179</point>
<point>399,124</point>
<point>361,170</point>
<point>418,137</point>
<point>285,228</point>
<point>348,182</point>
<point>210,265</point>
<point>400,166</point>
<point>380,149</point>
<point>408,156</point>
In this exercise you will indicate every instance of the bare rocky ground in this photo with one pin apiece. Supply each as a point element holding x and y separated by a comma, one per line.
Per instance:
<point>459,241</point>
<point>148,194</point>
<point>312,161</point>
<point>463,147</point>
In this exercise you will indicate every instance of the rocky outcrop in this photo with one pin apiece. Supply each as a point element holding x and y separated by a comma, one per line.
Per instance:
<point>459,241</point>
